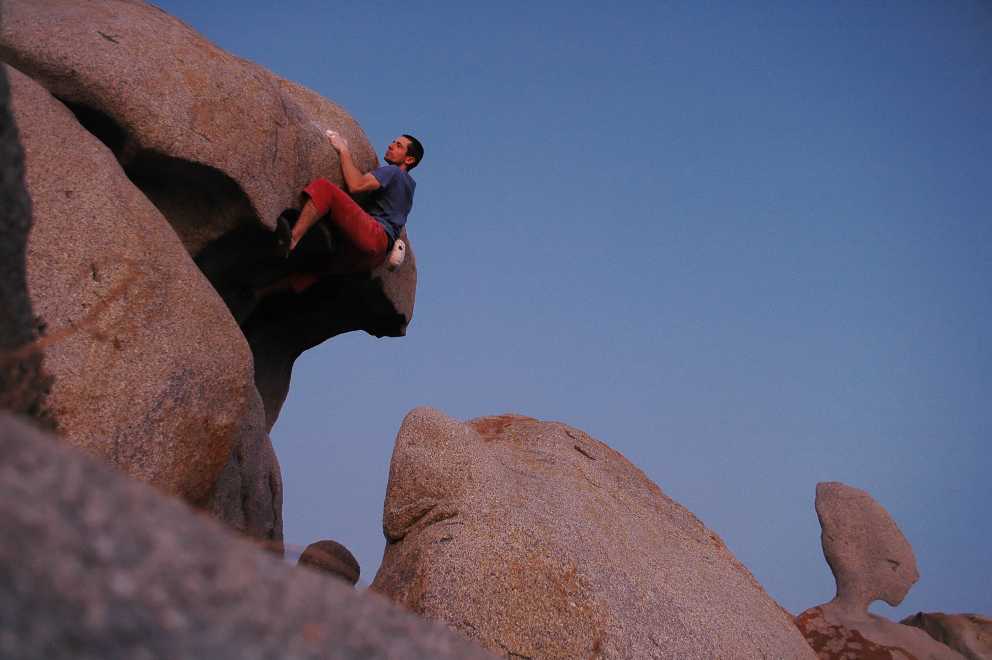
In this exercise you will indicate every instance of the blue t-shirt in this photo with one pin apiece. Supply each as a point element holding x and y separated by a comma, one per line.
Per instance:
<point>391,203</point>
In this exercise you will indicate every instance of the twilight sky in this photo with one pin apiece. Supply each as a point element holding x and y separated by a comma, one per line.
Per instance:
<point>748,247</point>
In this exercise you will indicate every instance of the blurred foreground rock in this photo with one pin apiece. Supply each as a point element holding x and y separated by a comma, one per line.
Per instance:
<point>95,565</point>
<point>871,560</point>
<point>539,541</point>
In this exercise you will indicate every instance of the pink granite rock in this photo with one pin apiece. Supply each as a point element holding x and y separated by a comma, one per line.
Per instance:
<point>871,560</point>
<point>220,146</point>
<point>151,372</point>
<point>183,147</point>
<point>539,541</point>
<point>968,634</point>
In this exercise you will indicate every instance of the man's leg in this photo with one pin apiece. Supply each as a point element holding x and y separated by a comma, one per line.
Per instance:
<point>309,215</point>
<point>362,232</point>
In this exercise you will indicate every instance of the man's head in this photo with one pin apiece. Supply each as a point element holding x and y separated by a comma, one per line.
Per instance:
<point>405,151</point>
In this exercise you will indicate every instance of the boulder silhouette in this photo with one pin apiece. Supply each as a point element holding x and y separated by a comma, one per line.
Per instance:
<point>332,558</point>
<point>871,560</point>
<point>539,541</point>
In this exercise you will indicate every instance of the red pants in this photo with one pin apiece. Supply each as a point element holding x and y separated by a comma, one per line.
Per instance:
<point>365,245</point>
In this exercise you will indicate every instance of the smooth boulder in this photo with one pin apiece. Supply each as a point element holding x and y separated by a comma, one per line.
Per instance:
<point>332,558</point>
<point>537,540</point>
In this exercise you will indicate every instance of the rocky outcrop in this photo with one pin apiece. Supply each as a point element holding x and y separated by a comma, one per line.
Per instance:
<point>332,558</point>
<point>220,146</point>
<point>968,634</point>
<point>93,565</point>
<point>23,383</point>
<point>871,560</point>
<point>151,372</point>
<point>187,156</point>
<point>539,541</point>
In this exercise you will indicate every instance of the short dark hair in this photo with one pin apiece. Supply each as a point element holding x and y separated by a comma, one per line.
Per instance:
<point>415,149</point>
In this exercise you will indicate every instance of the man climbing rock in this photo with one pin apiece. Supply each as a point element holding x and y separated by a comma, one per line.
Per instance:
<point>367,232</point>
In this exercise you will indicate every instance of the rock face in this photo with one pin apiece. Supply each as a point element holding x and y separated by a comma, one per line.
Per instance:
<point>157,164</point>
<point>23,384</point>
<point>151,372</point>
<point>871,560</point>
<point>248,493</point>
<point>333,558</point>
<point>539,541</point>
<point>160,97</point>
<point>968,634</point>
<point>93,565</point>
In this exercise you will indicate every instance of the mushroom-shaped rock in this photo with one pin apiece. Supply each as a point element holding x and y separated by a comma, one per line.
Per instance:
<point>332,558</point>
<point>94,565</point>
<point>220,146</point>
<point>871,560</point>
<point>968,634</point>
<point>23,383</point>
<point>151,372</point>
<point>539,541</point>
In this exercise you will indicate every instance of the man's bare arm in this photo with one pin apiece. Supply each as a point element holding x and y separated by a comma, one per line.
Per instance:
<point>355,180</point>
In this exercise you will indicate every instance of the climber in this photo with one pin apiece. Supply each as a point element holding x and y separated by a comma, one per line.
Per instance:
<point>369,231</point>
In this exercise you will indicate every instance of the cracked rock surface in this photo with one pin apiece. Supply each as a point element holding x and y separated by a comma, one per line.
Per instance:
<point>539,541</point>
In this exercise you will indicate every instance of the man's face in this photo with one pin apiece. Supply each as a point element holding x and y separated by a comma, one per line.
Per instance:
<point>396,151</point>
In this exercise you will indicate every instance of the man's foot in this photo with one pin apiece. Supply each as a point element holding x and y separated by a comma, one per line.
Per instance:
<point>284,232</point>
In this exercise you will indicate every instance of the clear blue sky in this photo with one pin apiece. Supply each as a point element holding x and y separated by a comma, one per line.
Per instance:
<point>748,247</point>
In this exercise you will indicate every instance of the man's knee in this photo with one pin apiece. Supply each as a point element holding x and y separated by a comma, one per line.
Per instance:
<point>322,193</point>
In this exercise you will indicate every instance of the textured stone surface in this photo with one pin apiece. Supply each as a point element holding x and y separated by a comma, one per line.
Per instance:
<point>835,641</point>
<point>968,634</point>
<point>23,383</point>
<point>163,91</point>
<point>221,146</point>
<point>248,493</point>
<point>151,372</point>
<point>871,560</point>
<point>333,558</point>
<point>93,565</point>
<point>539,541</point>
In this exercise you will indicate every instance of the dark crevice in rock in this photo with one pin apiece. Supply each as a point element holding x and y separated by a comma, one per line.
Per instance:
<point>201,203</point>
<point>102,126</point>
<point>24,383</point>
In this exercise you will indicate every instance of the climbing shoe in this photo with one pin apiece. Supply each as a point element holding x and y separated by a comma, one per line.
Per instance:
<point>284,231</point>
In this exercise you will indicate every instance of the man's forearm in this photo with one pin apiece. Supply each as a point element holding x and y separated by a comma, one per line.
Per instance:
<point>352,176</point>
